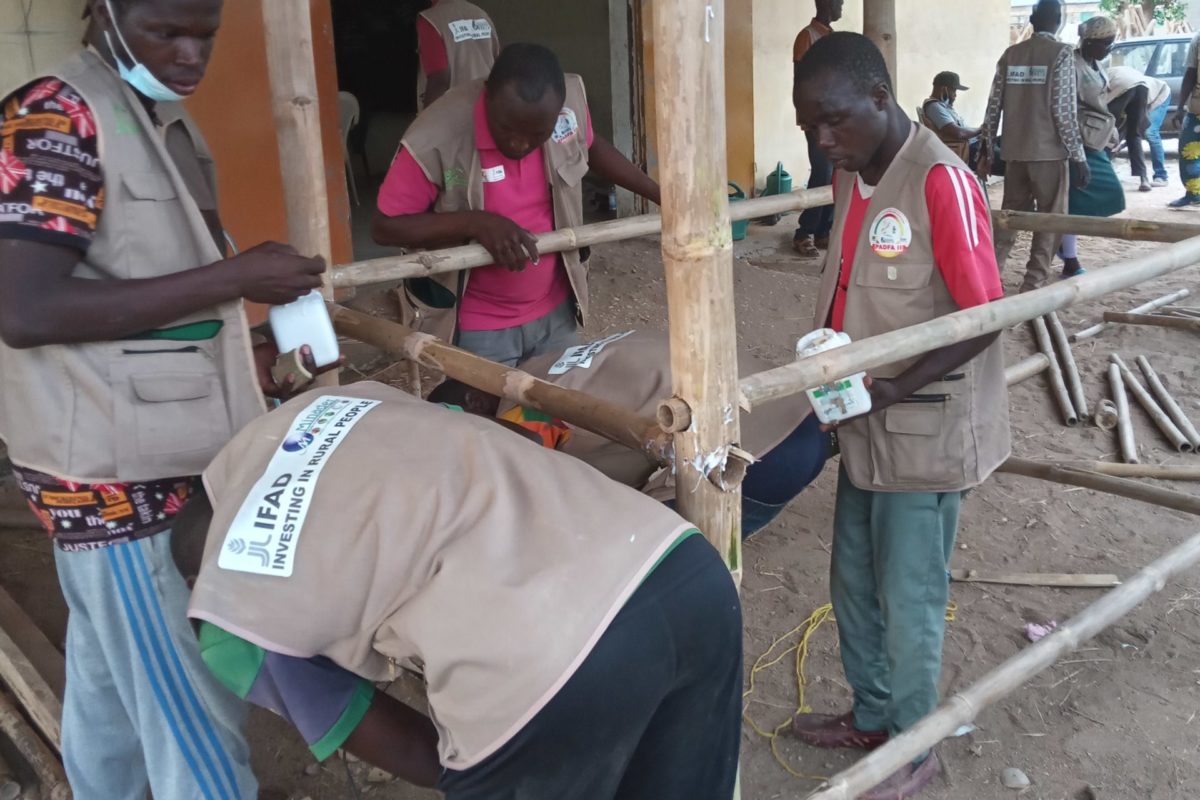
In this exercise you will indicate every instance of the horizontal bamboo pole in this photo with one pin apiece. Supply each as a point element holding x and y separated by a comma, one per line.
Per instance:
<point>1058,386</point>
<point>1026,368</point>
<point>1066,579</point>
<point>1168,402</point>
<point>888,348</point>
<point>1069,369</point>
<point>965,706</point>
<point>1133,230</point>
<point>1122,487</point>
<point>606,419</point>
<point>1154,321</point>
<point>1116,385</point>
<point>1152,408</point>
<point>1161,472</point>
<point>1144,308</point>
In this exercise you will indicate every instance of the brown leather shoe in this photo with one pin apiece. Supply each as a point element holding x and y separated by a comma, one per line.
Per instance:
<point>822,242</point>
<point>805,247</point>
<point>906,782</point>
<point>827,730</point>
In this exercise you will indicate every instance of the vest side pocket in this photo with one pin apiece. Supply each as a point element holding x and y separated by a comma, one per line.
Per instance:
<point>169,412</point>
<point>917,444</point>
<point>428,307</point>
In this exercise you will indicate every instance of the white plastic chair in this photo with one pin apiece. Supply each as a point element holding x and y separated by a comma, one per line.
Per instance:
<point>348,111</point>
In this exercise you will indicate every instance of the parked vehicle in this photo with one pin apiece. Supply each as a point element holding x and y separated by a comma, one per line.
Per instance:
<point>1163,57</point>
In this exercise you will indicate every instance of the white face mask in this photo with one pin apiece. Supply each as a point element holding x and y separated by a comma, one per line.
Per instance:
<point>139,76</point>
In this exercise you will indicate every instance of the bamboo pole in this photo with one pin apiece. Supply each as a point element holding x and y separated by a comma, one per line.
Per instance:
<point>31,689</point>
<point>1144,308</point>
<point>1151,407</point>
<point>601,417</point>
<point>295,104</point>
<point>966,705</point>
<point>1069,368</point>
<point>1116,385</point>
<point>1026,368</point>
<point>1122,487</point>
<point>1063,579</point>
<point>896,345</point>
<point>1160,472</point>
<point>1154,321</point>
<point>1057,386</point>
<point>697,249</point>
<point>1168,402</point>
<point>39,758</point>
<point>1133,230</point>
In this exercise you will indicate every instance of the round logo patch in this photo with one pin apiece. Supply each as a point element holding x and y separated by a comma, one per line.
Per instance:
<point>890,233</point>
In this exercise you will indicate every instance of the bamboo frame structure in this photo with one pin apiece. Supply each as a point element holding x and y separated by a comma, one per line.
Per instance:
<point>1069,368</point>
<point>1058,386</point>
<point>1168,402</point>
<point>1160,472</point>
<point>1144,308</point>
<point>965,706</point>
<point>1116,385</point>
<point>1152,408</point>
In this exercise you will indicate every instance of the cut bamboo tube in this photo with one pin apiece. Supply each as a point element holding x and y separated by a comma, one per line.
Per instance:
<point>1064,579</point>
<point>1026,368</point>
<point>1144,308</point>
<point>1116,385</point>
<point>1152,409</point>
<point>1122,487</point>
<point>697,251</point>
<point>295,104</point>
<point>1069,368</point>
<point>1057,386</point>
<point>966,705</point>
<point>1190,313</point>
<point>1168,402</point>
<point>606,419</point>
<point>1133,230</point>
<point>39,758</point>
<point>1107,416</point>
<point>1154,321</point>
<point>1161,472</point>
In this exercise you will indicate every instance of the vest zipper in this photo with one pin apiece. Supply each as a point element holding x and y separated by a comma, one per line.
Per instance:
<point>926,398</point>
<point>188,349</point>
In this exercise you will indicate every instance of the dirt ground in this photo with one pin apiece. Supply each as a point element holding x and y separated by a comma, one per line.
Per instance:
<point>1118,720</point>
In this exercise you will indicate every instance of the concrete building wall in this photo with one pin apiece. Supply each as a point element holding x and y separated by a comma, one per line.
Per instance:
<point>35,36</point>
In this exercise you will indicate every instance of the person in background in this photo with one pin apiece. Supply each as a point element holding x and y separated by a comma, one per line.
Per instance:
<point>496,162</point>
<point>633,370</point>
<point>1034,90</point>
<point>939,115</point>
<point>457,43</point>
<point>1139,104</point>
<point>1103,195</point>
<point>1187,118</point>
<point>125,366</point>
<point>911,242</point>
<point>812,235</point>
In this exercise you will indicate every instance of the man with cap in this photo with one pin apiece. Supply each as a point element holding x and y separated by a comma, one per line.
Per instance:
<point>1035,91</point>
<point>939,115</point>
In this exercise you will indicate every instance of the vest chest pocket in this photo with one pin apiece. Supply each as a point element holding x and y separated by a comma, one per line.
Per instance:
<point>571,166</point>
<point>885,273</point>
<point>919,443</point>
<point>157,236</point>
<point>170,416</point>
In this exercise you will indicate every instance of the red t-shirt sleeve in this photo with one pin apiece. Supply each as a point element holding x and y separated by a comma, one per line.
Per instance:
<point>961,228</point>
<point>405,190</point>
<point>431,48</point>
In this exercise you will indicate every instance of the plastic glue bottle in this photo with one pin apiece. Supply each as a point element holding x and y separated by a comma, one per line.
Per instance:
<point>305,322</point>
<point>844,398</point>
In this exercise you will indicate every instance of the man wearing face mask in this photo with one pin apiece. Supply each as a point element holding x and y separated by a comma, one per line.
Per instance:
<point>496,162</point>
<point>126,364</point>
<point>939,115</point>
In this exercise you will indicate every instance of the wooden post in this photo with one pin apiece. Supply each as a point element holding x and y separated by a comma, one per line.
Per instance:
<point>879,25</point>
<point>697,248</point>
<point>294,102</point>
<point>964,706</point>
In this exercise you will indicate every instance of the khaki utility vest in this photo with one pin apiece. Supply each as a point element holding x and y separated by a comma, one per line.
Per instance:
<point>442,141</point>
<point>1027,69</point>
<point>133,409</point>
<point>439,541</point>
<point>954,432</point>
<point>1096,123</point>
<point>635,372</point>
<point>470,39</point>
<point>960,149</point>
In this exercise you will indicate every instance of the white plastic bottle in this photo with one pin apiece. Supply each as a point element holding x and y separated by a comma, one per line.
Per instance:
<point>844,398</point>
<point>305,322</point>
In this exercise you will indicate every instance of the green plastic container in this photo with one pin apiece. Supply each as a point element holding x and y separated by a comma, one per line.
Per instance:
<point>779,181</point>
<point>739,227</point>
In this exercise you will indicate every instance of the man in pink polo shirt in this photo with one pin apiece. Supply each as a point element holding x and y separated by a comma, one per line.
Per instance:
<point>497,162</point>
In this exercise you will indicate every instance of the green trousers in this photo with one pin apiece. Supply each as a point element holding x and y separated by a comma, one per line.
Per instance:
<point>889,589</point>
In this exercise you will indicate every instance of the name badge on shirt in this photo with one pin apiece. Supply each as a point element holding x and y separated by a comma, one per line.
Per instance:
<point>264,535</point>
<point>567,126</point>
<point>466,29</point>
<point>493,174</point>
<point>1028,76</point>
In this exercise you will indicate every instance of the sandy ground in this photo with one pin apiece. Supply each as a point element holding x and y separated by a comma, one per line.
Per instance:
<point>1120,718</point>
